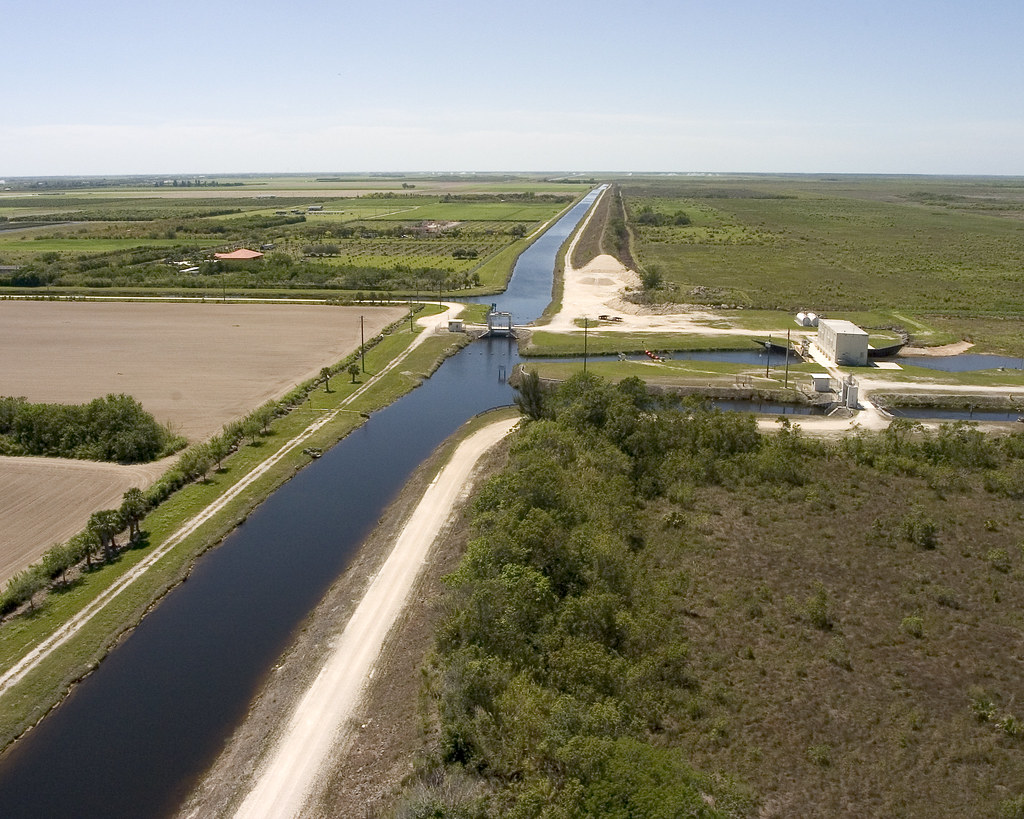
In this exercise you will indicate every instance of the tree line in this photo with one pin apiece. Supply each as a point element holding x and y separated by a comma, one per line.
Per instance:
<point>114,428</point>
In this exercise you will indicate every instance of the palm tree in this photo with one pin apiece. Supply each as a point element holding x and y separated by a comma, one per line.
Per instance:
<point>105,524</point>
<point>325,374</point>
<point>133,508</point>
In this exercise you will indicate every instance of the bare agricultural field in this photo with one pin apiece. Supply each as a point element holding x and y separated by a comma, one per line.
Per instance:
<point>46,500</point>
<point>194,366</point>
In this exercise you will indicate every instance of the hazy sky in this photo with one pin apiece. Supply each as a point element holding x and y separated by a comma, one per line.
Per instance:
<point>900,86</point>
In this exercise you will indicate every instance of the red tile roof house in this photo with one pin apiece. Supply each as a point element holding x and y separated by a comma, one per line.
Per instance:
<point>239,255</point>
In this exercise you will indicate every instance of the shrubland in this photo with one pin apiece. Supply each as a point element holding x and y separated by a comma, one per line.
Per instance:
<point>663,611</point>
<point>924,254</point>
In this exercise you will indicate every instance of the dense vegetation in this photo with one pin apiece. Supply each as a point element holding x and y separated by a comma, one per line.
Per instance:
<point>115,428</point>
<point>654,591</point>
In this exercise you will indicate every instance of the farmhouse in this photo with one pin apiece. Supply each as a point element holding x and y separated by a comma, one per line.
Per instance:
<point>843,342</point>
<point>242,254</point>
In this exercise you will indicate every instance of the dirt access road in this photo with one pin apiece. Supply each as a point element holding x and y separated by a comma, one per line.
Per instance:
<point>318,725</point>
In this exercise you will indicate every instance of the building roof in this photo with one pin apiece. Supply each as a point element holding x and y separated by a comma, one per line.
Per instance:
<point>847,328</point>
<point>241,253</point>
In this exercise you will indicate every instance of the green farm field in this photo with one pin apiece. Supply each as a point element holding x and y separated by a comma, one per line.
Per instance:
<point>930,255</point>
<point>412,234</point>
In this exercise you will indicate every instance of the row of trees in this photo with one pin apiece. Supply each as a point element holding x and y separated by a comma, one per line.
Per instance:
<point>99,537</point>
<point>113,428</point>
<point>105,526</point>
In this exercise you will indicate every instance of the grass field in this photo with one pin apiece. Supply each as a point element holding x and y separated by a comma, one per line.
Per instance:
<point>944,252</point>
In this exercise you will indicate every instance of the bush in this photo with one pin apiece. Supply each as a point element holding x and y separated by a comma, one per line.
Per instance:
<point>919,529</point>
<point>913,625</point>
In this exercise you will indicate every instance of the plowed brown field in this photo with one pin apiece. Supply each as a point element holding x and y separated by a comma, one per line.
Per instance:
<point>46,500</point>
<point>194,366</point>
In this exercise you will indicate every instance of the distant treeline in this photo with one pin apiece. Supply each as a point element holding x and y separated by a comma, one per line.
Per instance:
<point>115,428</point>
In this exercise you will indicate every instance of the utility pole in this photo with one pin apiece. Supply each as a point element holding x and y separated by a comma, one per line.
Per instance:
<point>586,324</point>
<point>362,345</point>
<point>768,356</point>
<point>788,348</point>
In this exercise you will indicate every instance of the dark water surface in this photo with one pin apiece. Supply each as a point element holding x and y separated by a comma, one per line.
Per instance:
<point>963,363</point>
<point>939,414</point>
<point>133,738</point>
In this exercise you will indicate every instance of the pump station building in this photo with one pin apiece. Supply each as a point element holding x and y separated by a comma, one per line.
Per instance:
<point>843,342</point>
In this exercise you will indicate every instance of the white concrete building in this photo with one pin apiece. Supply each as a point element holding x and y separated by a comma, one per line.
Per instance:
<point>843,342</point>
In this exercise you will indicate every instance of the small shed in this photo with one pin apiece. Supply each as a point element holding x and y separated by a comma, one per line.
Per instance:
<point>822,382</point>
<point>456,326</point>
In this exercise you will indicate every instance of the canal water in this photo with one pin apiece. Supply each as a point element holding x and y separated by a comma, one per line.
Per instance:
<point>962,363</point>
<point>940,414</point>
<point>133,738</point>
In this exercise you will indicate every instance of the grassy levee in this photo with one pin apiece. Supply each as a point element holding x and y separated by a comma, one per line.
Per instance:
<point>716,377</point>
<point>29,699</point>
<point>543,343</point>
<point>557,286</point>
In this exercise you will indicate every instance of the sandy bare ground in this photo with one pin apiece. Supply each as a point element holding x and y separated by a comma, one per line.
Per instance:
<point>69,629</point>
<point>195,366</point>
<point>318,725</point>
<point>598,288</point>
<point>46,500</point>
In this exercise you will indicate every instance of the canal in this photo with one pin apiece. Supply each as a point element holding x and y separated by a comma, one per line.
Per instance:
<point>133,738</point>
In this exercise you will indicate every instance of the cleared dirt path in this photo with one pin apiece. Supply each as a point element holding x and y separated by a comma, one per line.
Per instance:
<point>319,722</point>
<point>37,655</point>
<point>598,288</point>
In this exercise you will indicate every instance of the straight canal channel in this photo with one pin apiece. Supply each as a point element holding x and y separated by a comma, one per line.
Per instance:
<point>133,738</point>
